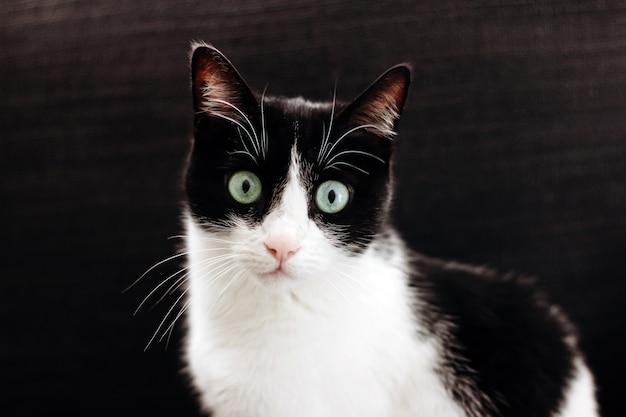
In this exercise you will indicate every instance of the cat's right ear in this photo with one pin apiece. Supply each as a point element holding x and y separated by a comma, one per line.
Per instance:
<point>218,89</point>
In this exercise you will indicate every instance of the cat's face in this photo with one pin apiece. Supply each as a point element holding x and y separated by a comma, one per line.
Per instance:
<point>288,186</point>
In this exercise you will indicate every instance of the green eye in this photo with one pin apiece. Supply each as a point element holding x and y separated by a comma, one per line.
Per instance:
<point>331,197</point>
<point>244,187</point>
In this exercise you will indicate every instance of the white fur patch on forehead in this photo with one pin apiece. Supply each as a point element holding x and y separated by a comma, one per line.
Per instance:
<point>294,183</point>
<point>293,201</point>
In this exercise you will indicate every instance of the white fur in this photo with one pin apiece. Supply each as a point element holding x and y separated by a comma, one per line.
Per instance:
<point>330,335</point>
<point>580,397</point>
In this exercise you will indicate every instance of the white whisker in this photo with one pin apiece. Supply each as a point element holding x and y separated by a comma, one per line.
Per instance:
<point>161,284</point>
<point>321,156</point>
<point>168,331</point>
<point>165,318</point>
<point>334,165</point>
<point>214,239</point>
<point>338,155</point>
<point>247,153</point>
<point>241,113</point>
<point>264,137</point>
<point>206,264</point>
<point>342,137</point>
<point>153,267</point>
<point>248,134</point>
<point>174,287</point>
<point>238,123</point>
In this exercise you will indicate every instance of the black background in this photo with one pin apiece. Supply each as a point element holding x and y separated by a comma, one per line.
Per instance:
<point>512,152</point>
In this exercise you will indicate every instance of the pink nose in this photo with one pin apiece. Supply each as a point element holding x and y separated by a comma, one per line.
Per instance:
<point>282,247</point>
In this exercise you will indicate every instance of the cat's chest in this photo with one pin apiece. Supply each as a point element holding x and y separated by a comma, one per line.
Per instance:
<point>286,371</point>
<point>360,359</point>
<point>298,366</point>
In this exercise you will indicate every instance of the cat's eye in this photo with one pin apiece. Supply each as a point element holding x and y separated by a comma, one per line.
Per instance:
<point>244,187</point>
<point>332,196</point>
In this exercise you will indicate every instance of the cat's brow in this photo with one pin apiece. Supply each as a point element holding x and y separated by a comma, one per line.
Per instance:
<point>326,135</point>
<point>264,139</point>
<point>246,151</point>
<point>334,161</point>
<point>238,110</point>
<point>329,160</point>
<point>257,148</point>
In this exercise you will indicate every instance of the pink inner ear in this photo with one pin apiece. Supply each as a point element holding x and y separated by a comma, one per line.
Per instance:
<point>215,87</point>
<point>382,103</point>
<point>396,92</point>
<point>380,111</point>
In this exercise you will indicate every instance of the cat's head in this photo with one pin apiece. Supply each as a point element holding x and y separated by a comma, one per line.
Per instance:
<point>289,185</point>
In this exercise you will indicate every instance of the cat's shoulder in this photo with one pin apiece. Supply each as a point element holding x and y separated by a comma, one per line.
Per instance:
<point>487,302</point>
<point>500,328</point>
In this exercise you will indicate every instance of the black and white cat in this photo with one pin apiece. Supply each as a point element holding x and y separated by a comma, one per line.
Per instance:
<point>302,299</point>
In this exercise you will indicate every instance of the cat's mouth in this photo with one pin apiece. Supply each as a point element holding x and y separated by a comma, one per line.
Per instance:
<point>277,275</point>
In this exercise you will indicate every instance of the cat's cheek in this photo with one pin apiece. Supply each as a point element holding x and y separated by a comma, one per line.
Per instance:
<point>339,241</point>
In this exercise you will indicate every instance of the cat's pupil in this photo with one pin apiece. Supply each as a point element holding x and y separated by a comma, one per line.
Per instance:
<point>245,186</point>
<point>331,196</point>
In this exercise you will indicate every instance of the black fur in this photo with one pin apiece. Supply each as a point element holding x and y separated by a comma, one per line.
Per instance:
<point>501,333</point>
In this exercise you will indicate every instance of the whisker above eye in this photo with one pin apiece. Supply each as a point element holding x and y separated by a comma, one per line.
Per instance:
<point>246,150</point>
<point>355,152</point>
<point>346,134</point>
<point>327,159</point>
<point>253,142</point>
<point>326,135</point>
<point>334,165</point>
<point>247,153</point>
<point>241,113</point>
<point>264,138</point>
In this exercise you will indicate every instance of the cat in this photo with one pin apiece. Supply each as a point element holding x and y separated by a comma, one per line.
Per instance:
<point>302,299</point>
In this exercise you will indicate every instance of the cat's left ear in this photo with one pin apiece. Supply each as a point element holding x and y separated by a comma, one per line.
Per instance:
<point>218,89</point>
<point>381,104</point>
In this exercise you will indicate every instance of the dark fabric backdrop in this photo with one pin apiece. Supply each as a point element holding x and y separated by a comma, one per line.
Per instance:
<point>512,152</point>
